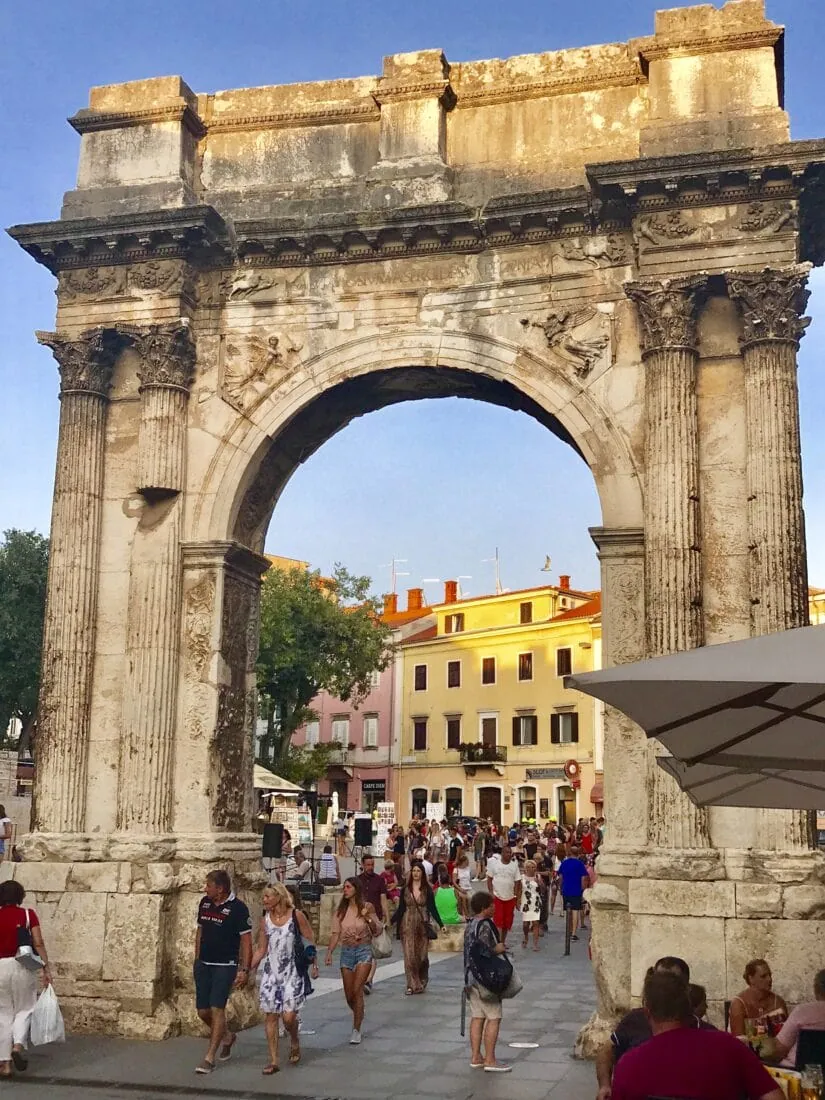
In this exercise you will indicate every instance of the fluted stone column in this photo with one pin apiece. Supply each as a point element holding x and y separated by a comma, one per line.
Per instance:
<point>166,369</point>
<point>86,363</point>
<point>772,303</point>
<point>673,586</point>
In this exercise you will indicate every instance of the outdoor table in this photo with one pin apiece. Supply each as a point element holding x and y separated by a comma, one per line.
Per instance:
<point>789,1080</point>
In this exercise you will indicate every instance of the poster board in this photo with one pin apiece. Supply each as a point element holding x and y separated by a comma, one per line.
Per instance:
<point>386,820</point>
<point>436,811</point>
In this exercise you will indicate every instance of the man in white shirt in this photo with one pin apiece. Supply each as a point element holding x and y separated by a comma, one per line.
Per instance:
<point>297,868</point>
<point>504,883</point>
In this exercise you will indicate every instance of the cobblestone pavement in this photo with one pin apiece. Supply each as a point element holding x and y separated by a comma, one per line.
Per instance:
<point>411,1049</point>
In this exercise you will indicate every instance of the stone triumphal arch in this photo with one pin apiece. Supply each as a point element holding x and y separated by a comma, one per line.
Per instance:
<point>615,240</point>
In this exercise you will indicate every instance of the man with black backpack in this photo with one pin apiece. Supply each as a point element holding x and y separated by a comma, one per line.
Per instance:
<point>481,947</point>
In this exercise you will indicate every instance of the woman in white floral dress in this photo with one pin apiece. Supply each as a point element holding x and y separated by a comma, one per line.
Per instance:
<point>287,945</point>
<point>530,903</point>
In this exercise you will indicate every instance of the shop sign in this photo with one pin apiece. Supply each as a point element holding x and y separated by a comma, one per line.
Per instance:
<point>373,786</point>
<point>545,773</point>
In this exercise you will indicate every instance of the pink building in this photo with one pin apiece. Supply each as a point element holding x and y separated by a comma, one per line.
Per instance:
<point>361,769</point>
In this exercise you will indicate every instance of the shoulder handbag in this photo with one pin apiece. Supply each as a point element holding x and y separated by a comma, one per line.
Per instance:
<point>26,955</point>
<point>382,945</point>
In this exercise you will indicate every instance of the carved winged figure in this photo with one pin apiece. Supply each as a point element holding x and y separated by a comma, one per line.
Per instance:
<point>558,328</point>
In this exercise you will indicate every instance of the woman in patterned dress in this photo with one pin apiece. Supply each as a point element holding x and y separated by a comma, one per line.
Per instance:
<point>530,905</point>
<point>416,913</point>
<point>285,982</point>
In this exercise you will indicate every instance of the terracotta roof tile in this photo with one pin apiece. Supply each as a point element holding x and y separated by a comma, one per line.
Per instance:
<point>584,611</point>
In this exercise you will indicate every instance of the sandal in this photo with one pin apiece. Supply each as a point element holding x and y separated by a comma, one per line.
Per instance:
<point>268,1070</point>
<point>408,993</point>
<point>295,1056</point>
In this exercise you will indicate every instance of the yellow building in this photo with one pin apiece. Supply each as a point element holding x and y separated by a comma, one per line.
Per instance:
<point>486,725</point>
<point>816,606</point>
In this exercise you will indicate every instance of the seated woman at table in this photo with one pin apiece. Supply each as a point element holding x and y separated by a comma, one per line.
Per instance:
<point>810,1016</point>
<point>757,1007</point>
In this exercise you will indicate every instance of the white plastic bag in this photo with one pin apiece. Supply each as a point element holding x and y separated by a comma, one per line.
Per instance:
<point>47,1020</point>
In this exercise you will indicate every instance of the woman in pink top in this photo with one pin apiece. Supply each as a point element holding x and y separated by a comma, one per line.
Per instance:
<point>354,923</point>
<point>809,1016</point>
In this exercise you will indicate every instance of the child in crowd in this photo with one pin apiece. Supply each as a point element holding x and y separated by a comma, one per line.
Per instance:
<point>389,876</point>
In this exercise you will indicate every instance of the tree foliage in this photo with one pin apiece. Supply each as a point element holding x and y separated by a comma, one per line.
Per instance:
<point>24,562</point>
<point>317,634</point>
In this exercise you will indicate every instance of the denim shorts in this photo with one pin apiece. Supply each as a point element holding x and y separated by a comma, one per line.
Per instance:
<point>355,956</point>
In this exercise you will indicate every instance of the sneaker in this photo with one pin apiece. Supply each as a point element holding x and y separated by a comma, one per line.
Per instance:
<point>355,1038</point>
<point>499,1067</point>
<point>205,1067</point>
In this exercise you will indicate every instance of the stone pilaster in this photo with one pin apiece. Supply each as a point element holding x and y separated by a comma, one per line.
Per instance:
<point>167,358</point>
<point>772,303</point>
<point>86,363</point>
<point>673,600</point>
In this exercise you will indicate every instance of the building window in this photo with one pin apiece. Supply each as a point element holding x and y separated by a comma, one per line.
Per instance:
<point>525,666</point>
<point>420,678</point>
<point>370,731</point>
<point>489,730</point>
<point>454,731</point>
<point>564,661</point>
<point>420,734</point>
<point>419,801</point>
<point>454,798</point>
<point>488,670</point>
<point>525,612</point>
<point>564,728</point>
<point>454,624</point>
<point>313,732</point>
<point>375,679</point>
<point>454,674</point>
<point>525,729</point>
<point>340,729</point>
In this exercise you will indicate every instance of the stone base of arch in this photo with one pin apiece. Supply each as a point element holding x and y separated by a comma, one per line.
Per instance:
<point>118,916</point>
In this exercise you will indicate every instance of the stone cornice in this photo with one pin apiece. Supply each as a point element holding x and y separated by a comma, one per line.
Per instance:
<point>333,114</point>
<point>90,122</point>
<point>657,49</point>
<point>189,232</point>
<point>422,89</point>
<point>619,76</point>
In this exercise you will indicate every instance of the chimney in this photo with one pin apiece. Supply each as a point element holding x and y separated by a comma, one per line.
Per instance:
<point>564,582</point>
<point>450,591</point>
<point>391,604</point>
<point>415,599</point>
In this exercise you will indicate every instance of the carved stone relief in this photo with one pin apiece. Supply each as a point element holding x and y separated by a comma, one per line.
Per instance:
<point>772,304</point>
<point>167,354</point>
<point>668,228</point>
<point>119,280</point>
<point>583,351</point>
<point>668,311</point>
<point>252,364</point>
<point>199,612</point>
<point>596,251</point>
<point>765,217</point>
<point>86,362</point>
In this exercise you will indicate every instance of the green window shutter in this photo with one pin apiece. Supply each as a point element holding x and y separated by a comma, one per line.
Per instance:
<point>516,730</point>
<point>574,727</point>
<point>555,729</point>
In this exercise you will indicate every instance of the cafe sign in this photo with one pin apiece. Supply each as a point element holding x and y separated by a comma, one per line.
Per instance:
<point>544,773</point>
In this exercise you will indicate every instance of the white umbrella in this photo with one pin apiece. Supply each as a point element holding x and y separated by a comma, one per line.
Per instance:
<point>714,785</point>
<point>752,705</point>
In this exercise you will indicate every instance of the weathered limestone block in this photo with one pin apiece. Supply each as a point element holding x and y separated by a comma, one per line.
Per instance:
<point>135,934</point>
<point>755,900</point>
<point>803,902</point>
<point>792,947</point>
<point>611,958</point>
<point>682,899</point>
<point>699,940</point>
<point>158,1025</point>
<point>90,1015</point>
<point>100,878</point>
<point>42,878</point>
<point>74,932</point>
<point>609,895</point>
<point>133,996</point>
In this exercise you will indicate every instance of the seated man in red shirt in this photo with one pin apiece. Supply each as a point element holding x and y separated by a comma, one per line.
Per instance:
<point>684,1061</point>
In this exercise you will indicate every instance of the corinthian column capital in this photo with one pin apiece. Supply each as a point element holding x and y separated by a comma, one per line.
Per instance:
<point>85,362</point>
<point>668,310</point>
<point>772,303</point>
<point>167,355</point>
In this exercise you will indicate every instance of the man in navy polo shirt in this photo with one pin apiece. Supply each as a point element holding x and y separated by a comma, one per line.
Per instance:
<point>223,938</point>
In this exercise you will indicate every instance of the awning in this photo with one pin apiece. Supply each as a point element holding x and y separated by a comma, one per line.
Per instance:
<point>265,780</point>
<point>597,794</point>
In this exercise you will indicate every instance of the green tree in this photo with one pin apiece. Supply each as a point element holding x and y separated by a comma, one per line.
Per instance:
<point>317,634</point>
<point>24,562</point>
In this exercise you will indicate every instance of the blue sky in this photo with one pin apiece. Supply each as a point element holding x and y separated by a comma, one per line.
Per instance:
<point>441,484</point>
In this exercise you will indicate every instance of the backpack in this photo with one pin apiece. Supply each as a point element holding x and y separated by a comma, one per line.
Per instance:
<point>493,972</point>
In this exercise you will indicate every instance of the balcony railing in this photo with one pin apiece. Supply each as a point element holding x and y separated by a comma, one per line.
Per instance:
<point>339,755</point>
<point>482,754</point>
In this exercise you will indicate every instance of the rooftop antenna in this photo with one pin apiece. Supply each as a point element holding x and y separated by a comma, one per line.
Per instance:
<point>396,573</point>
<point>546,567</point>
<point>497,561</point>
